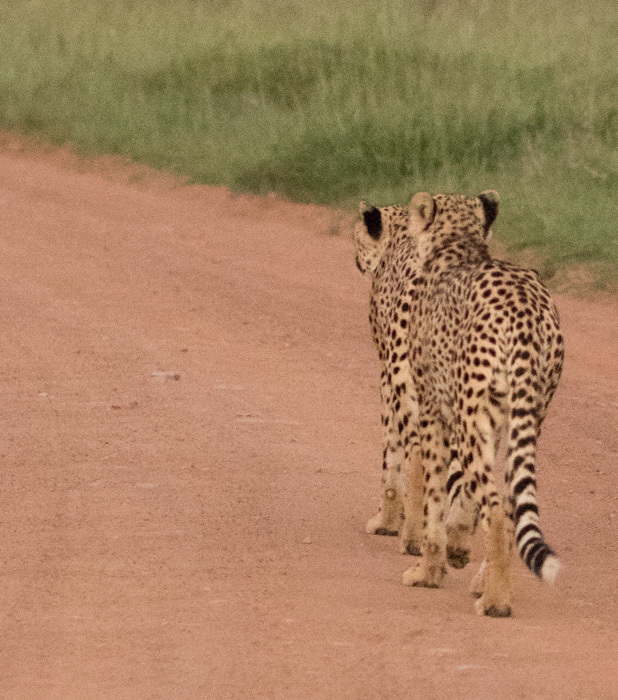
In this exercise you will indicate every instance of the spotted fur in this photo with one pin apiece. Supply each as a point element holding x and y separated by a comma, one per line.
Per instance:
<point>470,349</point>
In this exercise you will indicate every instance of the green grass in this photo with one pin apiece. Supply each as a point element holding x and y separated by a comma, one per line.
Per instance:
<point>333,102</point>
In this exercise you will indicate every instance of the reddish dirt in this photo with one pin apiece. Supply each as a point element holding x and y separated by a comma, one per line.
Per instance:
<point>203,537</point>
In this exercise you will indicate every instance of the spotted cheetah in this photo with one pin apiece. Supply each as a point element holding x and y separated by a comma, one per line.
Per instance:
<point>471,350</point>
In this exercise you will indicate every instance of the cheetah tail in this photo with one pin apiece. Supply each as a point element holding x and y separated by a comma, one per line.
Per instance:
<point>521,460</point>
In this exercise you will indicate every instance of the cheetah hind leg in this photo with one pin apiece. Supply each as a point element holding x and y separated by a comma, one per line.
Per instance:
<point>477,584</point>
<point>431,569</point>
<point>460,526</point>
<point>409,540</point>
<point>493,581</point>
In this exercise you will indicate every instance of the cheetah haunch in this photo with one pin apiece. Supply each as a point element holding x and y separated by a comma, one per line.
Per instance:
<point>471,350</point>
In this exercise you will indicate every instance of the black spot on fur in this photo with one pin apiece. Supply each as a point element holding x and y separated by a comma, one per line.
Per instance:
<point>452,480</point>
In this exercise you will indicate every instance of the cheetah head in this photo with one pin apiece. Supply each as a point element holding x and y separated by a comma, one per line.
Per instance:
<point>427,220</point>
<point>432,218</point>
<point>373,231</point>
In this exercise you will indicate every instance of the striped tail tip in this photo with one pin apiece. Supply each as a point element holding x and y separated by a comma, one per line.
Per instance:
<point>551,567</point>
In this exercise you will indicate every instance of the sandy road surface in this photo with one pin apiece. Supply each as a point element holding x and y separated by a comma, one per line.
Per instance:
<point>202,537</point>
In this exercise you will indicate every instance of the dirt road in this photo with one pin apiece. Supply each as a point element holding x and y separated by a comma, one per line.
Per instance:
<point>190,447</point>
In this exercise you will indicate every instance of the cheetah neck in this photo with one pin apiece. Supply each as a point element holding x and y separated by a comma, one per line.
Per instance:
<point>445,245</point>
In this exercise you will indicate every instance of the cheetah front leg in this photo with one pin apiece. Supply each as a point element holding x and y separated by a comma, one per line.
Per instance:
<point>388,519</point>
<point>412,497</point>
<point>462,516</point>
<point>396,507</point>
<point>434,457</point>
<point>401,503</point>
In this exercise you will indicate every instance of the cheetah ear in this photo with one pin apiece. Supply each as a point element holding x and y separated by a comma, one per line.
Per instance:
<point>422,208</point>
<point>490,200</point>
<point>362,208</point>
<point>373,222</point>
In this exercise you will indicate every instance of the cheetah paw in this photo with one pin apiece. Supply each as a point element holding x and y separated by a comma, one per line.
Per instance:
<point>484,607</point>
<point>427,577</point>
<point>379,526</point>
<point>457,558</point>
<point>409,547</point>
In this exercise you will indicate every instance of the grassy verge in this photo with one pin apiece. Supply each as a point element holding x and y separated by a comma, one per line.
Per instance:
<point>334,101</point>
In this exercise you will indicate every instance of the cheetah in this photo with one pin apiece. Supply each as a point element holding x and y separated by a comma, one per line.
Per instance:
<point>470,350</point>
